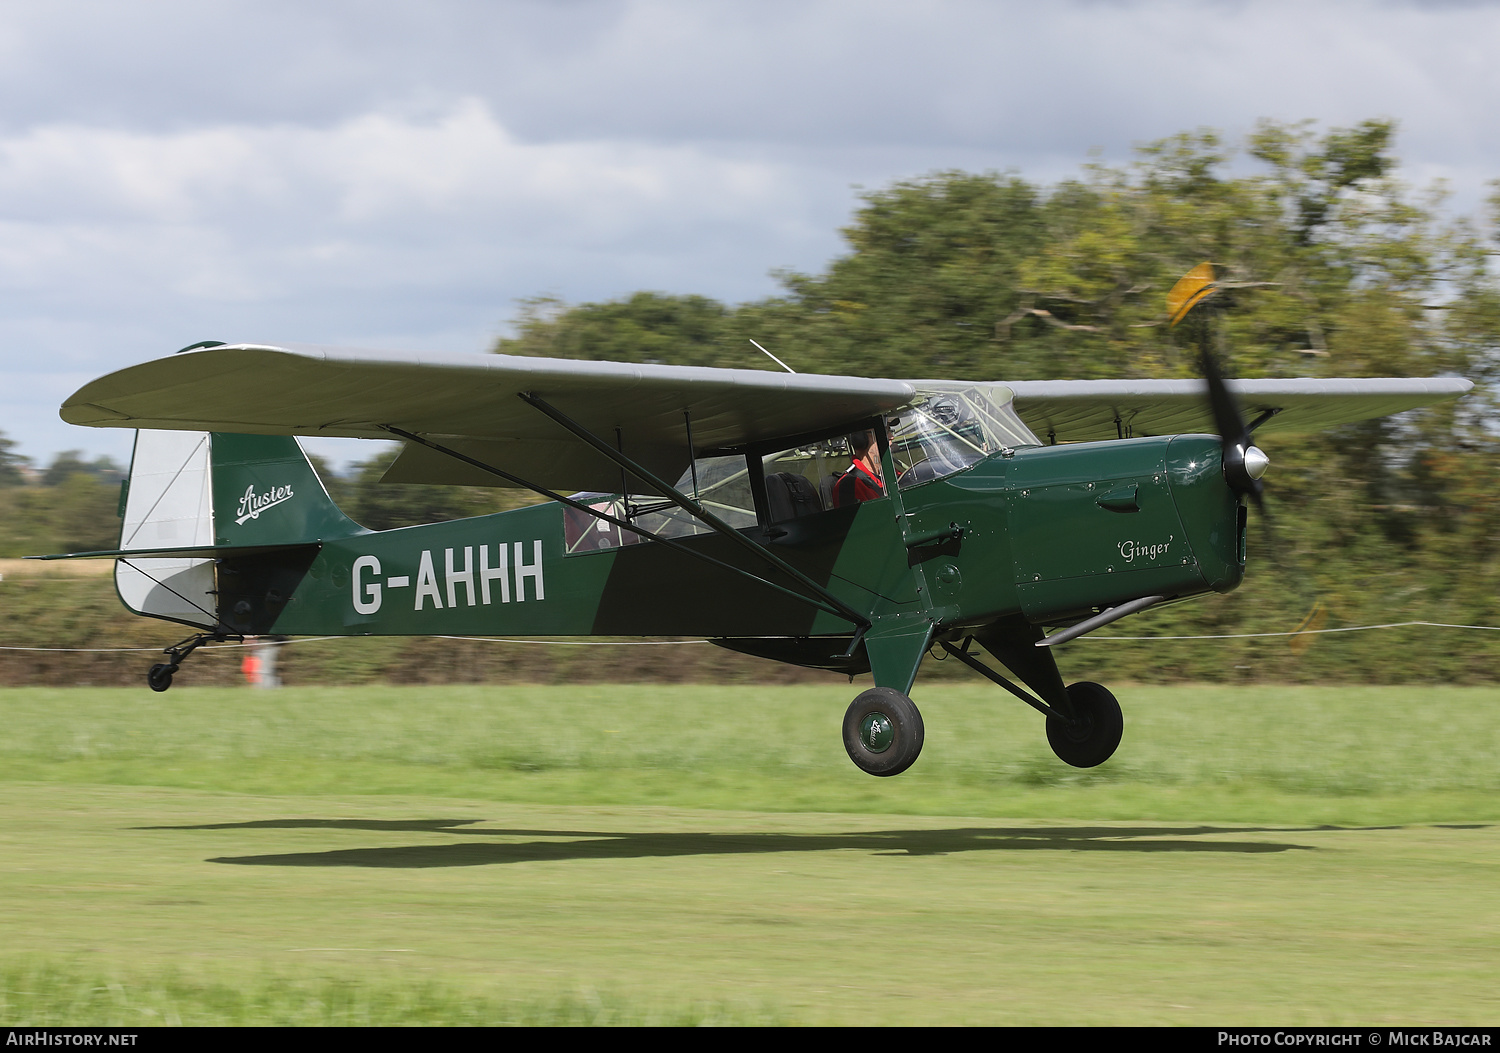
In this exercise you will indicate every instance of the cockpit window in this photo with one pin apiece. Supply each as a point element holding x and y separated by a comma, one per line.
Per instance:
<point>943,431</point>
<point>946,430</point>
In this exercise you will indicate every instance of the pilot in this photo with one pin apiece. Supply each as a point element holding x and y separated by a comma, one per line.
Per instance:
<point>861,480</point>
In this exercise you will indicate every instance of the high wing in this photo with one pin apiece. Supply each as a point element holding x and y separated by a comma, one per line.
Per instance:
<point>1088,410</point>
<point>471,403</point>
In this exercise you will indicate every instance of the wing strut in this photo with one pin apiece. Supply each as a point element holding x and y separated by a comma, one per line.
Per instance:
<point>693,508</point>
<point>842,610</point>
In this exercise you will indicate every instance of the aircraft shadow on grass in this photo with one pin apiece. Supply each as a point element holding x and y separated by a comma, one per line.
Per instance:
<point>565,845</point>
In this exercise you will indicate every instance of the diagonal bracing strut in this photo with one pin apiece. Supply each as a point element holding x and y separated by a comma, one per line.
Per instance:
<point>963,655</point>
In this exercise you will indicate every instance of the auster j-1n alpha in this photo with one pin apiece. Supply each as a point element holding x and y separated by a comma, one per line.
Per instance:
<point>710,502</point>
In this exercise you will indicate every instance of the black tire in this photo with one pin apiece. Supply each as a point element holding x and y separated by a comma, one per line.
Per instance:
<point>1096,735</point>
<point>883,731</point>
<point>160,676</point>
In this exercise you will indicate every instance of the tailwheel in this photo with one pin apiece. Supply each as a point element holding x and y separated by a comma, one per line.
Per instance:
<point>1094,735</point>
<point>159,676</point>
<point>883,731</point>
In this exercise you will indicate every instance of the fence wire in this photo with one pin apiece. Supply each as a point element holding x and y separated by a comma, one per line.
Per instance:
<point>680,643</point>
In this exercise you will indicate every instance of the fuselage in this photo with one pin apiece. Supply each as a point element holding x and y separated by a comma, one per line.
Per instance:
<point>1048,533</point>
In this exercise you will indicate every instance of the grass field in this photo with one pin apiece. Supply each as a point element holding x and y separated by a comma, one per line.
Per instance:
<point>692,854</point>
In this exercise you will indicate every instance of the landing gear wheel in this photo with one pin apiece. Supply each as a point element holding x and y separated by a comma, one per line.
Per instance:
<point>160,676</point>
<point>1095,736</point>
<point>883,731</point>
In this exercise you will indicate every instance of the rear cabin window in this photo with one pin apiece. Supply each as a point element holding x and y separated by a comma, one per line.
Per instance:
<point>723,488</point>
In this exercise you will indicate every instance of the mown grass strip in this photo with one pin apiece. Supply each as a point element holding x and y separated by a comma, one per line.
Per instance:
<point>1295,754</point>
<point>58,994</point>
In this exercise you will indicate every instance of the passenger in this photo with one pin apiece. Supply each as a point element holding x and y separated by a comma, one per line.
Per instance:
<point>861,480</point>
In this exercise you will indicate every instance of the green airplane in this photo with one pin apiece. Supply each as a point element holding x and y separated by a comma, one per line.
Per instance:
<point>707,502</point>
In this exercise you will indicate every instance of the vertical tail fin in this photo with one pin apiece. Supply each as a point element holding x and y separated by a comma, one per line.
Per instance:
<point>201,490</point>
<point>265,492</point>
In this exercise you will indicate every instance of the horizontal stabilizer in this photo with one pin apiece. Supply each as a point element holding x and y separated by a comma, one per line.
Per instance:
<point>204,552</point>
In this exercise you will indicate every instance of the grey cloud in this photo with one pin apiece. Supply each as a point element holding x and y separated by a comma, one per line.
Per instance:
<point>999,75</point>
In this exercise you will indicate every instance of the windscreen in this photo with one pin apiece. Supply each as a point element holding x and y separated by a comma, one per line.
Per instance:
<point>946,430</point>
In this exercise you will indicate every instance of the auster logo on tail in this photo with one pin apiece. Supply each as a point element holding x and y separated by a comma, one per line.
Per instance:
<point>253,504</point>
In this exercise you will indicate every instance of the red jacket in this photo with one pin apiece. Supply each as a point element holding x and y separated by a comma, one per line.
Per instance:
<point>856,485</point>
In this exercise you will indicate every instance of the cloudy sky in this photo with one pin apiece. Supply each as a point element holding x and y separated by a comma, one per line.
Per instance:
<point>388,174</point>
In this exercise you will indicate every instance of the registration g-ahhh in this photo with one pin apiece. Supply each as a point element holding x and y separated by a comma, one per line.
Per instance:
<point>840,523</point>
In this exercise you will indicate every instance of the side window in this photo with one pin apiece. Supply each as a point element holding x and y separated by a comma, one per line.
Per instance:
<point>723,487</point>
<point>585,533</point>
<point>939,434</point>
<point>799,481</point>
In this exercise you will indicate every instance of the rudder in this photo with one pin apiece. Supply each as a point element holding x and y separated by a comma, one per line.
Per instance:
<point>168,505</point>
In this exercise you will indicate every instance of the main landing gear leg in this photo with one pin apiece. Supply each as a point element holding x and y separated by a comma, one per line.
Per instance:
<point>159,677</point>
<point>1084,722</point>
<point>883,729</point>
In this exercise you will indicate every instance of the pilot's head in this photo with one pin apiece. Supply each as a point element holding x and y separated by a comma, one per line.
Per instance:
<point>860,443</point>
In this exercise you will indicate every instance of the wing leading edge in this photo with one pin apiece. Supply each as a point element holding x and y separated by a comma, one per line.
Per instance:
<point>1089,410</point>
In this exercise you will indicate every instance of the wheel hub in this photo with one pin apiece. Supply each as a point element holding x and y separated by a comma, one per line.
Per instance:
<point>876,732</point>
<point>1080,728</point>
<point>1090,738</point>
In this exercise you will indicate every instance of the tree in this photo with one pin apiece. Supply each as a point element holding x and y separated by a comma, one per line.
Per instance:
<point>11,463</point>
<point>76,515</point>
<point>70,462</point>
<point>987,276</point>
<point>645,327</point>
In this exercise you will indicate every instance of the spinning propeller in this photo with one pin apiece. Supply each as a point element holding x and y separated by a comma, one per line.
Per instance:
<point>1244,462</point>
